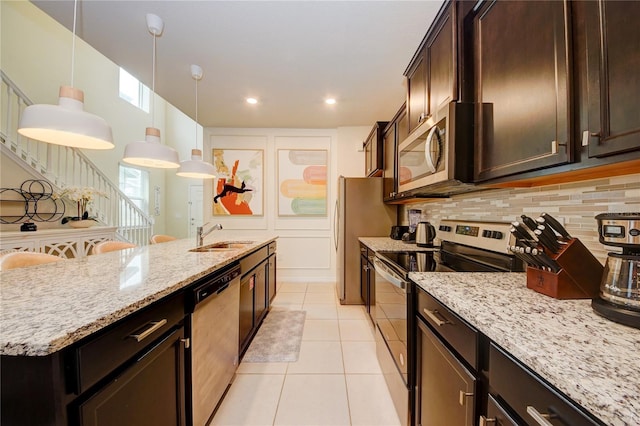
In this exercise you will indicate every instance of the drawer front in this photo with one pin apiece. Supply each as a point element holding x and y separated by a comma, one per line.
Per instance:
<point>252,260</point>
<point>272,248</point>
<point>496,415</point>
<point>103,354</point>
<point>462,337</point>
<point>527,395</point>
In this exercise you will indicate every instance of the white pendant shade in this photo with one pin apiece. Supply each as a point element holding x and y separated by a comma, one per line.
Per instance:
<point>196,168</point>
<point>151,153</point>
<point>66,123</point>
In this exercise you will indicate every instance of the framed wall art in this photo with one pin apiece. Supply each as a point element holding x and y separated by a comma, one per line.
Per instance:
<point>239,186</point>
<point>302,182</point>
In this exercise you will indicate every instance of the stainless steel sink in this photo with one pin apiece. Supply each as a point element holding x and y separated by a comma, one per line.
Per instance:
<point>223,246</point>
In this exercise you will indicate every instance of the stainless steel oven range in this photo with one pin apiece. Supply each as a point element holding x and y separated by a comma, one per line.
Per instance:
<point>464,247</point>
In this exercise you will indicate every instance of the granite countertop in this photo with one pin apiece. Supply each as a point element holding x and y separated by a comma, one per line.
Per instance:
<point>594,361</point>
<point>48,307</point>
<point>387,244</point>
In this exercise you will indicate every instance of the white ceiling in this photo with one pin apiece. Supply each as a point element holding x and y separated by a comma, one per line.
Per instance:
<point>290,55</point>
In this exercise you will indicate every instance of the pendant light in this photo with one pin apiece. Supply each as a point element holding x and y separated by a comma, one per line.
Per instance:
<point>151,152</point>
<point>67,123</point>
<point>196,167</point>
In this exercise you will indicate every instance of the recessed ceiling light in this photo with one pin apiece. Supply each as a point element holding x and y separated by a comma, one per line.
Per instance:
<point>330,101</point>
<point>252,101</point>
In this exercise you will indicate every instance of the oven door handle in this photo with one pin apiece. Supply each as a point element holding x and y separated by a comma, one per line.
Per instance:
<point>388,274</point>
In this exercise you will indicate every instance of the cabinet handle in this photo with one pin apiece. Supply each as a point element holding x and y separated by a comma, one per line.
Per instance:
<point>187,342</point>
<point>487,421</point>
<point>463,396</point>
<point>434,318</point>
<point>540,418</point>
<point>154,325</point>
<point>424,116</point>
<point>401,359</point>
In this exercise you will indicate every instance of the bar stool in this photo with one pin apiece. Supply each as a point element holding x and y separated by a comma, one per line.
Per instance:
<point>159,238</point>
<point>107,246</point>
<point>21,259</point>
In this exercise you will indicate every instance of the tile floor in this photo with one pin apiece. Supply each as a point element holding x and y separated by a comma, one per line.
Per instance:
<point>336,380</point>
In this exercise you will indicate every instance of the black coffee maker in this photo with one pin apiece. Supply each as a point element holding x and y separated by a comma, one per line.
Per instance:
<point>619,298</point>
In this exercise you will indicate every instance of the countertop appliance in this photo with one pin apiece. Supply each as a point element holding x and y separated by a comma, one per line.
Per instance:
<point>214,341</point>
<point>437,158</point>
<point>465,247</point>
<point>359,212</point>
<point>425,233</point>
<point>619,298</point>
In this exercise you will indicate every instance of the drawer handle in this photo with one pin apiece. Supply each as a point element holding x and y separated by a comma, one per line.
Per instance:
<point>154,325</point>
<point>484,421</point>
<point>401,360</point>
<point>540,418</point>
<point>463,396</point>
<point>434,318</point>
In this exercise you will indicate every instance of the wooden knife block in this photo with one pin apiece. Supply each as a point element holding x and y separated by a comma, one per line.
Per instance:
<point>579,277</point>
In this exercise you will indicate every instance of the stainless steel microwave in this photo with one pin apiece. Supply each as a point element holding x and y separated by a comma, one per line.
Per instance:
<point>437,158</point>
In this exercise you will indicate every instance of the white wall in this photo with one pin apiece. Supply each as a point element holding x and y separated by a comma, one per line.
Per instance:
<point>305,244</point>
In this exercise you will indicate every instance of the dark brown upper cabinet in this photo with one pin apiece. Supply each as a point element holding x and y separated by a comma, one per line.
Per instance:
<point>394,133</point>
<point>432,72</point>
<point>522,87</point>
<point>373,150</point>
<point>613,68</point>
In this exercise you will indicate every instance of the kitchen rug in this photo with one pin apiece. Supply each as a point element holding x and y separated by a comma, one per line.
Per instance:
<point>278,339</point>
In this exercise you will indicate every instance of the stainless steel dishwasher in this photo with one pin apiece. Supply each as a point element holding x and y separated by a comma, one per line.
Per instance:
<point>214,340</point>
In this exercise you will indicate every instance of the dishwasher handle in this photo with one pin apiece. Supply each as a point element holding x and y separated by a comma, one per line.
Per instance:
<point>217,285</point>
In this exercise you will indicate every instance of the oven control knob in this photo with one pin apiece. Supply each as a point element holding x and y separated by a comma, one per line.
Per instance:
<point>444,228</point>
<point>496,234</point>
<point>486,233</point>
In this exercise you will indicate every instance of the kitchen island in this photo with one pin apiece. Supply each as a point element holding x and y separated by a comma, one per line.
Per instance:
<point>593,361</point>
<point>46,308</point>
<point>79,336</point>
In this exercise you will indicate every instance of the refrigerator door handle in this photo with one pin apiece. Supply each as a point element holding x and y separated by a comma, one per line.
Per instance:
<point>335,225</point>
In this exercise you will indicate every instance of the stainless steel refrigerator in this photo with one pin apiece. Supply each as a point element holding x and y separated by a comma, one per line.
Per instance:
<point>359,212</point>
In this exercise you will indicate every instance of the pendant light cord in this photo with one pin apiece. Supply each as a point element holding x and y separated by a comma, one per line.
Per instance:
<point>73,40</point>
<point>153,81</point>
<point>196,112</point>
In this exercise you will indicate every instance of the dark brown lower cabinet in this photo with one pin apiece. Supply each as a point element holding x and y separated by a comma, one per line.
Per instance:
<point>148,392</point>
<point>446,389</point>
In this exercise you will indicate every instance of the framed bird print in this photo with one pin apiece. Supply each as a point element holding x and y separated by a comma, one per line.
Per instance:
<point>238,187</point>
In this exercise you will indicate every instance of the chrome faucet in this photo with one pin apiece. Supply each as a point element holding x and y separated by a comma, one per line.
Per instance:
<point>200,234</point>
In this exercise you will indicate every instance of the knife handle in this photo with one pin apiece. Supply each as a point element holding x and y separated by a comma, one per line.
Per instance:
<point>555,225</point>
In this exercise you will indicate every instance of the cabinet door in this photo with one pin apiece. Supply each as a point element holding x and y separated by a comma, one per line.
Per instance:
<point>271,283</point>
<point>613,60</point>
<point>260,296</point>
<point>368,156</point>
<point>149,392</point>
<point>446,390</point>
<point>364,280</point>
<point>441,64</point>
<point>247,286</point>
<point>389,185</point>
<point>522,87</point>
<point>417,90</point>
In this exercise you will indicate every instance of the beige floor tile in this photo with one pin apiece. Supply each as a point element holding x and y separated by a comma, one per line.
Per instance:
<point>318,358</point>
<point>262,368</point>
<point>321,310</point>
<point>288,299</point>
<point>292,287</point>
<point>321,288</point>
<point>356,330</point>
<point>369,401</point>
<point>321,330</point>
<point>313,400</point>
<point>320,298</point>
<point>286,307</point>
<point>360,358</point>
<point>351,312</point>
<point>251,400</point>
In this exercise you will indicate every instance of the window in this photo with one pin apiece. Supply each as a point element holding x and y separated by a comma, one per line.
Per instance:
<point>135,185</point>
<point>134,92</point>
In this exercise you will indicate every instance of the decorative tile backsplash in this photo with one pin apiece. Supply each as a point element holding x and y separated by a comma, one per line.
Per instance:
<point>574,204</point>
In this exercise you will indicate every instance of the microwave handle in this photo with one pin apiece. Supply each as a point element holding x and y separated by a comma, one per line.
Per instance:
<point>431,139</point>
